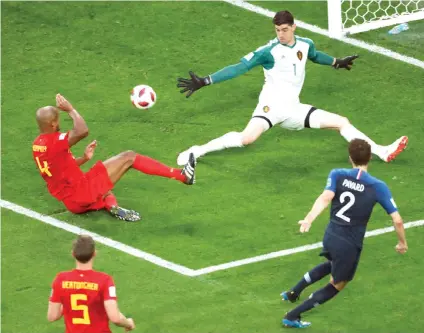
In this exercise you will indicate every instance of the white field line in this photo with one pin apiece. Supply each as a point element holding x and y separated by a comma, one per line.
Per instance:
<point>352,41</point>
<point>282,253</point>
<point>100,239</point>
<point>170,265</point>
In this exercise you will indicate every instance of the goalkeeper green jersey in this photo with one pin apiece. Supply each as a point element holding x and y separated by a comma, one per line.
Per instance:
<point>284,66</point>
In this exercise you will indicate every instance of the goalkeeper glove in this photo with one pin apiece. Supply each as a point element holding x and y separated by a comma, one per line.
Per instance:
<point>346,62</point>
<point>194,83</point>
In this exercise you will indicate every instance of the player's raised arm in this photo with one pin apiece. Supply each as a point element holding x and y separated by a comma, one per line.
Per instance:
<point>80,129</point>
<point>260,56</point>
<point>195,82</point>
<point>88,153</point>
<point>322,58</point>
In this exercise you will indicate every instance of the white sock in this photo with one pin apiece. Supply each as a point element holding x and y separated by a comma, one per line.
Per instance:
<point>229,140</point>
<point>349,132</point>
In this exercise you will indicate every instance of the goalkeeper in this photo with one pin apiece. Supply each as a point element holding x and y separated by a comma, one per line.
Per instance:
<point>283,60</point>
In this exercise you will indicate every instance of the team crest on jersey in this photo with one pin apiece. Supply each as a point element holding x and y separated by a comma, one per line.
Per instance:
<point>266,108</point>
<point>300,55</point>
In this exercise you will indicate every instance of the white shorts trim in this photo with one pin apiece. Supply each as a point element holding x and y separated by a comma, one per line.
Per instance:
<point>290,116</point>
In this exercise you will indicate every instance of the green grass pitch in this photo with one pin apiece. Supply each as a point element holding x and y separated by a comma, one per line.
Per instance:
<point>246,201</point>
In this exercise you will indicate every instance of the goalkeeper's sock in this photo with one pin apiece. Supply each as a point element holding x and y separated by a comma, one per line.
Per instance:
<point>110,201</point>
<point>317,298</point>
<point>350,132</point>
<point>229,140</point>
<point>150,166</point>
<point>314,275</point>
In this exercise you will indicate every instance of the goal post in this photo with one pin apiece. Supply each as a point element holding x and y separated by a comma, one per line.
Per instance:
<point>347,17</point>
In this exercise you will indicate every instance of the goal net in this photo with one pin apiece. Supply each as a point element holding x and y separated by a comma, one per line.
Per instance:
<point>353,16</point>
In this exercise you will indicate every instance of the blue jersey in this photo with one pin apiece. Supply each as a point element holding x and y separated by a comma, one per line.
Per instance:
<point>356,193</point>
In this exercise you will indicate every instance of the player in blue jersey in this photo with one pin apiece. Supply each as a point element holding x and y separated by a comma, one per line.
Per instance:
<point>283,60</point>
<point>353,194</point>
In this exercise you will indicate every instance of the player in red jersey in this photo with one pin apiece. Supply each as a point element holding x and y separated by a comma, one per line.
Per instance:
<point>86,298</point>
<point>81,192</point>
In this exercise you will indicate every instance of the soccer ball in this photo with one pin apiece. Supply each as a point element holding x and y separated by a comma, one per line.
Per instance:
<point>143,97</point>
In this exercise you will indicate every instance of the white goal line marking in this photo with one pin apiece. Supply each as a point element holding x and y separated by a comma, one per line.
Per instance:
<point>313,28</point>
<point>282,253</point>
<point>98,238</point>
<point>170,265</point>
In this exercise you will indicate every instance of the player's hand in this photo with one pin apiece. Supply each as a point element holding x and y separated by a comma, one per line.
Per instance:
<point>304,226</point>
<point>346,62</point>
<point>63,104</point>
<point>131,321</point>
<point>194,83</point>
<point>401,248</point>
<point>89,150</point>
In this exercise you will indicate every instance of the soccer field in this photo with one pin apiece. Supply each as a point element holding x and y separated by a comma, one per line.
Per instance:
<point>246,202</point>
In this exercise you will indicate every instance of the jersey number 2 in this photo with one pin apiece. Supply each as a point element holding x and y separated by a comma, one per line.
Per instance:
<point>85,320</point>
<point>43,168</point>
<point>343,197</point>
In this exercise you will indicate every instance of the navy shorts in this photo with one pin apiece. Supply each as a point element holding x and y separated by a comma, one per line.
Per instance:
<point>344,257</point>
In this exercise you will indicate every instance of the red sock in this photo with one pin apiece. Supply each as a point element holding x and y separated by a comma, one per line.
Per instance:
<point>150,166</point>
<point>110,201</point>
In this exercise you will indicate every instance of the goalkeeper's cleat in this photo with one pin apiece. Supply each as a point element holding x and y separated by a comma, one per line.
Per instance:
<point>289,296</point>
<point>189,170</point>
<point>295,323</point>
<point>395,149</point>
<point>125,214</point>
<point>183,157</point>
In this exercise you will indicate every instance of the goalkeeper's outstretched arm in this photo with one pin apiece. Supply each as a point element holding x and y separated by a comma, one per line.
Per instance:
<point>195,82</point>
<point>322,58</point>
<point>229,72</point>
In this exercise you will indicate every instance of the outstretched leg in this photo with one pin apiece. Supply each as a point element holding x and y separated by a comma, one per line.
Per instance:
<point>250,134</point>
<point>323,119</point>
<point>118,165</point>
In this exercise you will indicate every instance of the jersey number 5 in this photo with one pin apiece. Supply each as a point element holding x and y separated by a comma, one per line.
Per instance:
<point>351,200</point>
<point>43,168</point>
<point>85,320</point>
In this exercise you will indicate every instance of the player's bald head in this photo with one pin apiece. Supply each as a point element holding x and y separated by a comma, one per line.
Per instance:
<point>46,116</point>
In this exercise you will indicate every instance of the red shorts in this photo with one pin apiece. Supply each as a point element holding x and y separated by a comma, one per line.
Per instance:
<point>90,190</point>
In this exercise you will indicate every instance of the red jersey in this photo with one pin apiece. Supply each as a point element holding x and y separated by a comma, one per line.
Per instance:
<point>56,163</point>
<point>82,294</point>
